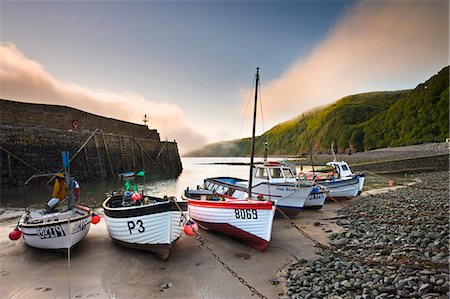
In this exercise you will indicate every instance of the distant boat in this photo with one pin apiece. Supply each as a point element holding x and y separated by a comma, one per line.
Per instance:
<point>144,222</point>
<point>57,230</point>
<point>126,174</point>
<point>243,218</point>
<point>344,171</point>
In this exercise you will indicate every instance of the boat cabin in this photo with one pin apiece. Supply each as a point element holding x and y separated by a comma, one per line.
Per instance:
<point>273,172</point>
<point>342,168</point>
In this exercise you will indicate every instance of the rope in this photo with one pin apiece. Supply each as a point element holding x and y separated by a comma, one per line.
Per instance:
<point>204,245</point>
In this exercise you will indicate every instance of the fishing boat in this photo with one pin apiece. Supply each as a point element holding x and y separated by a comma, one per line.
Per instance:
<point>340,187</point>
<point>58,226</point>
<point>144,222</point>
<point>249,220</point>
<point>343,171</point>
<point>57,230</point>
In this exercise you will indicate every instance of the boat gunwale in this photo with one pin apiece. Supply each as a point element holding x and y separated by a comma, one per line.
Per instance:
<point>90,212</point>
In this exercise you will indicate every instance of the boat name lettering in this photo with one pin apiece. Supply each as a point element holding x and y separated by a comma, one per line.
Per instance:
<point>139,225</point>
<point>79,226</point>
<point>246,213</point>
<point>286,189</point>
<point>48,232</point>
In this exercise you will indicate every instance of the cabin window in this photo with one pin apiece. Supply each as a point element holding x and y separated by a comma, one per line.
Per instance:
<point>344,167</point>
<point>261,173</point>
<point>288,173</point>
<point>276,173</point>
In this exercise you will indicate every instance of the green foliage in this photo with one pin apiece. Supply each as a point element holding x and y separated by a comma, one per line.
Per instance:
<point>356,123</point>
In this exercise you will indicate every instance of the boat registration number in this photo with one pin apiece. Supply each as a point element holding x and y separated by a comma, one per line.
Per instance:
<point>133,226</point>
<point>314,196</point>
<point>246,213</point>
<point>48,232</point>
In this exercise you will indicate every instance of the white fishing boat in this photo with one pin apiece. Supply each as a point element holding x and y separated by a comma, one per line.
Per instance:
<point>343,171</point>
<point>56,230</point>
<point>144,222</point>
<point>63,223</point>
<point>247,220</point>
<point>244,218</point>
<point>340,188</point>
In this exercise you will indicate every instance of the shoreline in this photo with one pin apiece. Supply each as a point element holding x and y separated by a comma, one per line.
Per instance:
<point>102,269</point>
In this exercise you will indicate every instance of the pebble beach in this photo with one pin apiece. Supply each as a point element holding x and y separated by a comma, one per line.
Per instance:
<point>393,245</point>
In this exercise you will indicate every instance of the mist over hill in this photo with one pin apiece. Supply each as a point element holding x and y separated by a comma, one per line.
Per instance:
<point>356,123</point>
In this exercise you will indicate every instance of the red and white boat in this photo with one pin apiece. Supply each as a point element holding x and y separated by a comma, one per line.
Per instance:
<point>247,220</point>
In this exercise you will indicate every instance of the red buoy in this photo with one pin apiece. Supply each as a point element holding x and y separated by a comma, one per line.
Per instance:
<point>15,234</point>
<point>95,219</point>
<point>191,228</point>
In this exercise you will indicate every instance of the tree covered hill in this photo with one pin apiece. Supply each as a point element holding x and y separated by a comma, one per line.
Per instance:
<point>355,123</point>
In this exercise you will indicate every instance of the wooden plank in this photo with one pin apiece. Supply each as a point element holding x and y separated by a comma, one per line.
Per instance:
<point>107,154</point>
<point>8,157</point>
<point>132,153</point>
<point>99,157</point>
<point>15,156</point>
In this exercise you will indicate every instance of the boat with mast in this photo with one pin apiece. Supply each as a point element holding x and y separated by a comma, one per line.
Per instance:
<point>249,220</point>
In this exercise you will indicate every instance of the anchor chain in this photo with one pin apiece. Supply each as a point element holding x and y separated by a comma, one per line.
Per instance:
<point>203,244</point>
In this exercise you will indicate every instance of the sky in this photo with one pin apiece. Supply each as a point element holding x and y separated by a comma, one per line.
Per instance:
<point>190,65</point>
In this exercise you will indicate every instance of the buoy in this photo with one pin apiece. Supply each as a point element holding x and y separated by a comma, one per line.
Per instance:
<point>136,197</point>
<point>95,219</point>
<point>15,234</point>
<point>190,228</point>
<point>390,183</point>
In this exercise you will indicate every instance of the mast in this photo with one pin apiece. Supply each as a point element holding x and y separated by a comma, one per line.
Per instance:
<point>250,181</point>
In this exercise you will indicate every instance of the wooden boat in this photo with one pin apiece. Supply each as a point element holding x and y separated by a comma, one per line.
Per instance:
<point>149,223</point>
<point>247,220</point>
<point>57,230</point>
<point>243,218</point>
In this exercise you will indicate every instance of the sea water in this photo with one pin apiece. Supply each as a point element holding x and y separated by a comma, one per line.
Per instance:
<point>195,170</point>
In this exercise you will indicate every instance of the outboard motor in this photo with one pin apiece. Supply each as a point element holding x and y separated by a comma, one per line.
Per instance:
<point>52,203</point>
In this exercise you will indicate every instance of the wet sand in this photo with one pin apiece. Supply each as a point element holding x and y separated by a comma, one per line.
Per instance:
<point>101,269</point>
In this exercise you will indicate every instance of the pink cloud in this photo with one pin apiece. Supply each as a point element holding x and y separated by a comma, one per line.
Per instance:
<point>23,79</point>
<point>377,45</point>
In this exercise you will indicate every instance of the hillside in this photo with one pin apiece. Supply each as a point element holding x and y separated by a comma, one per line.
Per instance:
<point>356,123</point>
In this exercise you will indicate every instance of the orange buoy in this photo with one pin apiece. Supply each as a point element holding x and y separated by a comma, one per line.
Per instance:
<point>190,228</point>
<point>15,234</point>
<point>95,219</point>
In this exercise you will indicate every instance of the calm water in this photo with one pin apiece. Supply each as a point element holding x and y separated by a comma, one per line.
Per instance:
<point>94,193</point>
<point>194,171</point>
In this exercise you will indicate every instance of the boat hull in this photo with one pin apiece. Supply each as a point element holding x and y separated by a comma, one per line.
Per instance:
<point>55,234</point>
<point>341,188</point>
<point>155,227</point>
<point>248,221</point>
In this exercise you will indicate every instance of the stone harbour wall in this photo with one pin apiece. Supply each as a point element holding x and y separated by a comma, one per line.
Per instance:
<point>27,149</point>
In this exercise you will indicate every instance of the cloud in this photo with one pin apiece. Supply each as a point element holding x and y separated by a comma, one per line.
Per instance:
<point>376,45</point>
<point>23,79</point>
